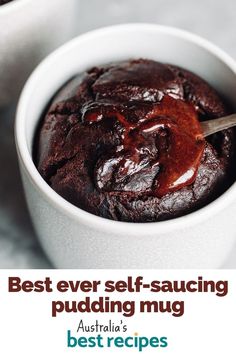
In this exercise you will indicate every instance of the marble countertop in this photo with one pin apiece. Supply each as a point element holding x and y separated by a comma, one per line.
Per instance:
<point>212,19</point>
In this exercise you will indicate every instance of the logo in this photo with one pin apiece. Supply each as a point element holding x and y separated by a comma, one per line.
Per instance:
<point>100,341</point>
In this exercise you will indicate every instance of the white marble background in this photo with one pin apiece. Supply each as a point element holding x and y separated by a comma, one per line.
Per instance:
<point>212,19</point>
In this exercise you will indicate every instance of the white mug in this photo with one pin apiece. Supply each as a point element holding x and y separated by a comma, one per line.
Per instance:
<point>74,238</point>
<point>30,30</point>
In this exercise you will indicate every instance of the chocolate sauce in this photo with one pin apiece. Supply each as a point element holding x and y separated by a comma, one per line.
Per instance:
<point>158,141</point>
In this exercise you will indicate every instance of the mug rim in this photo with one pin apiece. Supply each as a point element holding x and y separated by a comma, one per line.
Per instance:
<point>87,218</point>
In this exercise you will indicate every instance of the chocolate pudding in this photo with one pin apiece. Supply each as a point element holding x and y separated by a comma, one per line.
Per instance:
<point>124,141</point>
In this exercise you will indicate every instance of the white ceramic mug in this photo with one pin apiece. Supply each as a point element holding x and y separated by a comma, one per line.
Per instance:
<point>74,238</point>
<point>29,30</point>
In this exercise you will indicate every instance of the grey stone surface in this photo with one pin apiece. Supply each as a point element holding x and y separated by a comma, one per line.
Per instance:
<point>212,19</point>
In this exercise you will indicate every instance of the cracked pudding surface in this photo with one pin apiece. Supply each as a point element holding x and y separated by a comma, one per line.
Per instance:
<point>123,141</point>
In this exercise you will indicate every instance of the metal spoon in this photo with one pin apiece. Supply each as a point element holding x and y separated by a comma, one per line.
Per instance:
<point>215,125</point>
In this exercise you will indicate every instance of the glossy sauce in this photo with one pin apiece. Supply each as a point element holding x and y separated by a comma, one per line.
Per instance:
<point>157,154</point>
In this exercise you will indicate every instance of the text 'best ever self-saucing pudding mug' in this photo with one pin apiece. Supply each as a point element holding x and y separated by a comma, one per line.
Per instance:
<point>116,171</point>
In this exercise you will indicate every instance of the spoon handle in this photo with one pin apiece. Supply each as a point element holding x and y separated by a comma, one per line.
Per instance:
<point>215,125</point>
